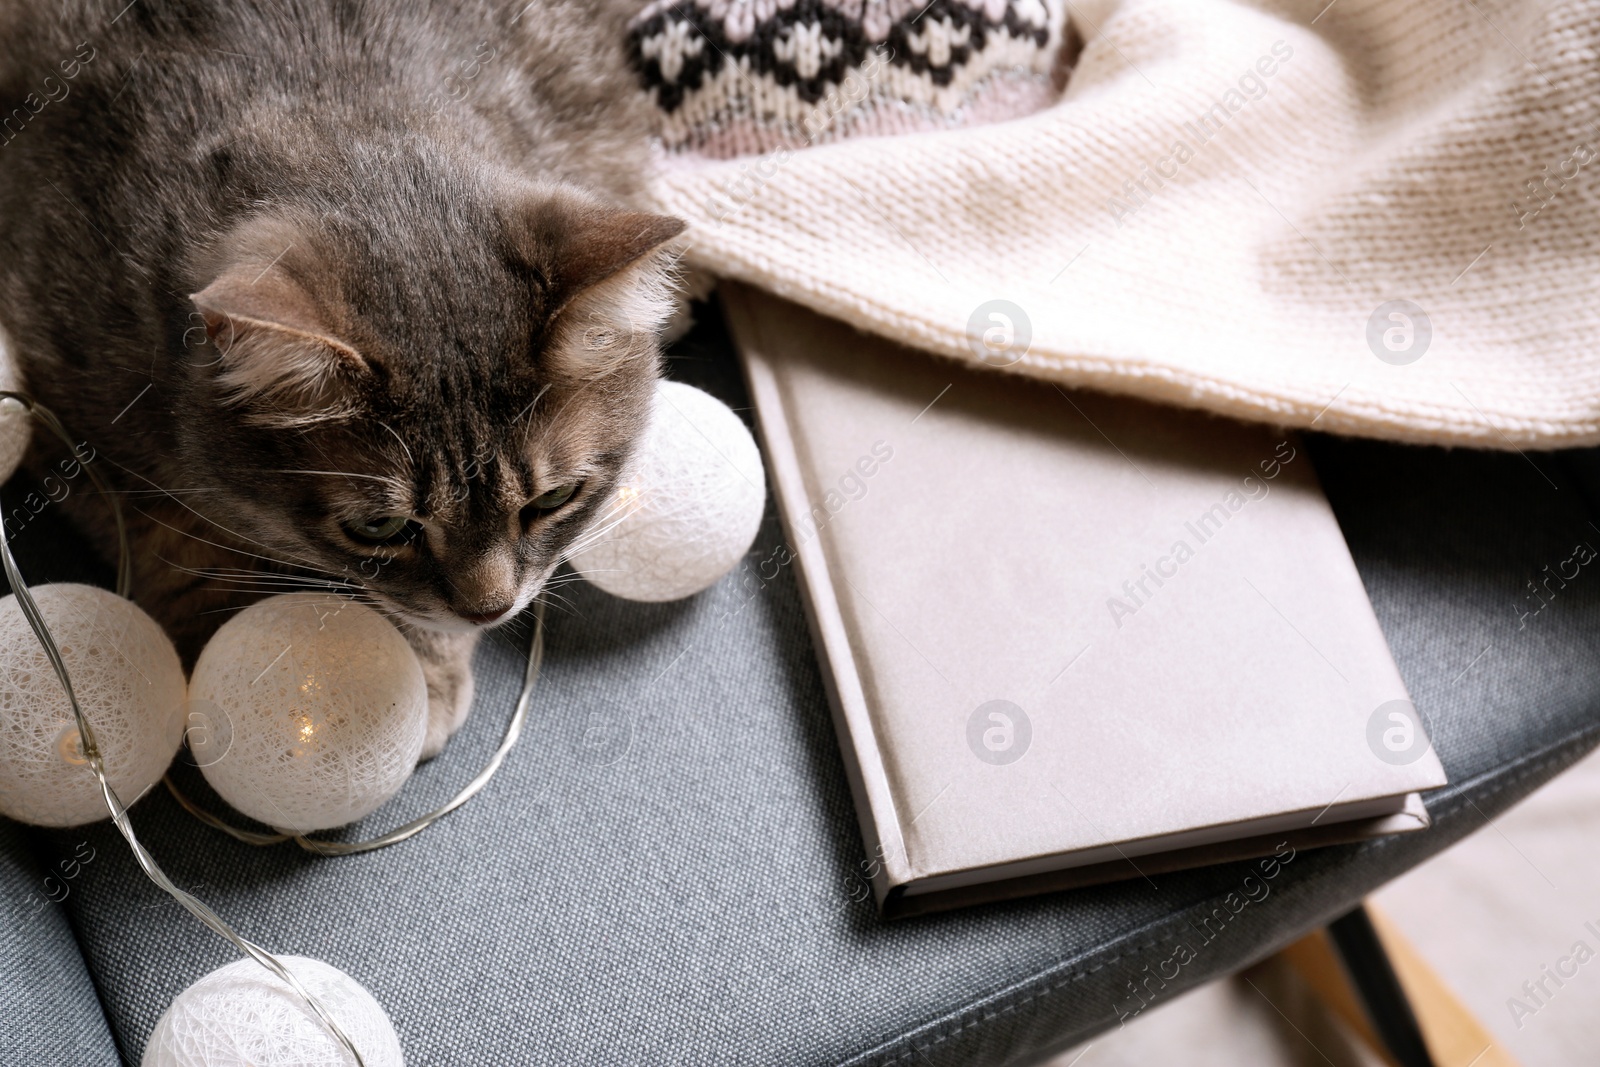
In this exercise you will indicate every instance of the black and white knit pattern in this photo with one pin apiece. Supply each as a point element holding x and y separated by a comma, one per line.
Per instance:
<point>730,76</point>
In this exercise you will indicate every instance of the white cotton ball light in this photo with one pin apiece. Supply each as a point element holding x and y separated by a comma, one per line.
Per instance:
<point>316,708</point>
<point>129,684</point>
<point>687,508</point>
<point>243,1015</point>
<point>16,422</point>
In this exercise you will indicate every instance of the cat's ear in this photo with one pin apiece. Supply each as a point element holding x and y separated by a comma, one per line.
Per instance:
<point>572,243</point>
<point>600,243</point>
<point>274,351</point>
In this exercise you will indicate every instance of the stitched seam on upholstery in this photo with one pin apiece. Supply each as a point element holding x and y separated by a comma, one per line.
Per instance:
<point>1502,780</point>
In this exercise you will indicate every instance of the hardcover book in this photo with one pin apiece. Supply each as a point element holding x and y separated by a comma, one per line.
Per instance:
<point>1069,637</point>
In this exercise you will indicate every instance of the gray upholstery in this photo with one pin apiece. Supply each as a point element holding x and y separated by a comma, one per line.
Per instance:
<point>682,892</point>
<point>49,1012</point>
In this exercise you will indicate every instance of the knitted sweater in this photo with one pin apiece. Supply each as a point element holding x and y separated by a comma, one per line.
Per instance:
<point>1363,217</point>
<point>731,79</point>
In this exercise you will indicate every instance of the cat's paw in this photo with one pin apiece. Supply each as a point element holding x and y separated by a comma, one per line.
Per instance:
<point>447,666</point>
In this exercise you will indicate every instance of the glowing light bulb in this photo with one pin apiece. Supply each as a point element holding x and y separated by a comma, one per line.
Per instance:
<point>127,678</point>
<point>327,682</point>
<point>69,746</point>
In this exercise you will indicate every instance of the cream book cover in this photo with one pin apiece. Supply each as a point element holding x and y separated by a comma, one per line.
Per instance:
<point>1069,637</point>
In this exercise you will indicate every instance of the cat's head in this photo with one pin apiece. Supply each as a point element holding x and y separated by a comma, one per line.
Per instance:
<point>435,400</point>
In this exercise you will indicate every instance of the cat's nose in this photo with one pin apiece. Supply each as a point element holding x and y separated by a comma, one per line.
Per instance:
<point>485,588</point>
<point>483,618</point>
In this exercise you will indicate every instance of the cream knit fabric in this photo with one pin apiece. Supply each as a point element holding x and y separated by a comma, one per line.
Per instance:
<point>1222,210</point>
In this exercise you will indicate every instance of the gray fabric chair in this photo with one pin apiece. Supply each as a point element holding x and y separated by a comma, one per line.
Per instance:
<point>662,872</point>
<point>49,1010</point>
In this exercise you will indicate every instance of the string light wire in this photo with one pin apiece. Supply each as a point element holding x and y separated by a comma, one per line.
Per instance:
<point>513,733</point>
<point>119,813</point>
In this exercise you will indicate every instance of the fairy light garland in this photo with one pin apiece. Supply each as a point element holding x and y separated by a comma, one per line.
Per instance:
<point>91,746</point>
<point>685,513</point>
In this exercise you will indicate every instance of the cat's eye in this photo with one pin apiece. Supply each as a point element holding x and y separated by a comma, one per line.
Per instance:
<point>549,501</point>
<point>385,530</point>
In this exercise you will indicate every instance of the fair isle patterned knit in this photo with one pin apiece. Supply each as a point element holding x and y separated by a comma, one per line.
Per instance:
<point>736,77</point>
<point>1371,153</point>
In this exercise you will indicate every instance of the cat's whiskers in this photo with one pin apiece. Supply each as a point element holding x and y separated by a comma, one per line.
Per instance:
<point>269,582</point>
<point>223,610</point>
<point>528,411</point>
<point>600,532</point>
<point>549,592</point>
<point>230,607</point>
<point>237,571</point>
<point>395,615</point>
<point>266,580</point>
<point>227,548</point>
<point>409,457</point>
<point>588,541</point>
<point>206,518</point>
<point>564,606</point>
<point>260,582</point>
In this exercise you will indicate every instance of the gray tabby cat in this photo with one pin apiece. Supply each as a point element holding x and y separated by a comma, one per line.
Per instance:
<point>350,292</point>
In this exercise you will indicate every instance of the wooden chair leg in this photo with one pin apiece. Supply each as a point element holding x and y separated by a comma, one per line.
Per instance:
<point>1451,1034</point>
<point>1372,975</point>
